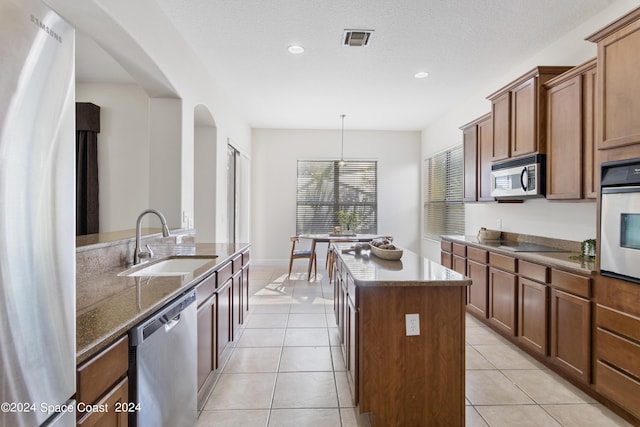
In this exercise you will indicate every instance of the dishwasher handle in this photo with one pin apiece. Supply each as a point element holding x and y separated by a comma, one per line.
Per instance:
<point>172,323</point>
<point>165,319</point>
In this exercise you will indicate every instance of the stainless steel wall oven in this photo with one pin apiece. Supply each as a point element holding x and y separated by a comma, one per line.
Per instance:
<point>620,220</point>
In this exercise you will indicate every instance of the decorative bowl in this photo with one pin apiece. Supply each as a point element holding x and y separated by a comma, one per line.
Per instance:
<point>390,254</point>
<point>485,234</point>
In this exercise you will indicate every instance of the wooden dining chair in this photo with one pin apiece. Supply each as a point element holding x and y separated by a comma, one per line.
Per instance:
<point>331,255</point>
<point>301,253</point>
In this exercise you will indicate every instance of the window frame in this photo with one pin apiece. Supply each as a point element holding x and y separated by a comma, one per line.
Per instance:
<point>340,181</point>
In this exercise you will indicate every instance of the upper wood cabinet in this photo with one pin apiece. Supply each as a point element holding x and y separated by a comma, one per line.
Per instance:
<point>478,152</point>
<point>571,170</point>
<point>619,82</point>
<point>470,153</point>
<point>519,114</point>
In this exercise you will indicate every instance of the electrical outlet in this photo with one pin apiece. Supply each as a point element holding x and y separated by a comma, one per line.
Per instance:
<point>499,223</point>
<point>413,324</point>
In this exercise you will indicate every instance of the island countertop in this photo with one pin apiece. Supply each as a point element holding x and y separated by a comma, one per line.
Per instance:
<point>411,270</point>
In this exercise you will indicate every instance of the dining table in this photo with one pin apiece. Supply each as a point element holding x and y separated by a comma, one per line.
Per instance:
<point>328,237</point>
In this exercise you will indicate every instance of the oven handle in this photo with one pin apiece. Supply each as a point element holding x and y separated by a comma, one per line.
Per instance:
<point>625,189</point>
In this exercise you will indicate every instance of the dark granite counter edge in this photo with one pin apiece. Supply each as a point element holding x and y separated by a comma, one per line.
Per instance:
<point>103,341</point>
<point>559,260</point>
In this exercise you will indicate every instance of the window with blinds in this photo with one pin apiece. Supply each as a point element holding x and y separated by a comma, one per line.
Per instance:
<point>443,184</point>
<point>325,187</point>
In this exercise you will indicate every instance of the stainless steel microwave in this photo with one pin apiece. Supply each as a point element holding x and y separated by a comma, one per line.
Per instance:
<point>519,178</point>
<point>620,220</point>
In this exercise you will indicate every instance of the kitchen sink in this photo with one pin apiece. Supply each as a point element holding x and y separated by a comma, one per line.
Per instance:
<point>178,266</point>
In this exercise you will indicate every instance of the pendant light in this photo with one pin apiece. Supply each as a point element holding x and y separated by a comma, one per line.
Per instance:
<point>342,161</point>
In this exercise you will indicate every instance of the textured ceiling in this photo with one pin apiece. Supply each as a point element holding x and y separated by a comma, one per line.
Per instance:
<point>461,43</point>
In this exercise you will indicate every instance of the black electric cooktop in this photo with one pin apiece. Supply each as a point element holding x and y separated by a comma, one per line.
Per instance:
<point>524,247</point>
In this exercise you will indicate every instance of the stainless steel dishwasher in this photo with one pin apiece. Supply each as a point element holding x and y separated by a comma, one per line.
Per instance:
<point>163,366</point>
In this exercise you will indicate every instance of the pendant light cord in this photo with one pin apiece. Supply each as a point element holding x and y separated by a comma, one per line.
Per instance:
<point>342,162</point>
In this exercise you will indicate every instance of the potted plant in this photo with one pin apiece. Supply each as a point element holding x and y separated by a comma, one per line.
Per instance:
<point>588,248</point>
<point>348,220</point>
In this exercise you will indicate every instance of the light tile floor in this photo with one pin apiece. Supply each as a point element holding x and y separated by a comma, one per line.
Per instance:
<point>287,369</point>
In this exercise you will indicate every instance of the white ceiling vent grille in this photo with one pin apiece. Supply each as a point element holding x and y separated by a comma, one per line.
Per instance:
<point>356,38</point>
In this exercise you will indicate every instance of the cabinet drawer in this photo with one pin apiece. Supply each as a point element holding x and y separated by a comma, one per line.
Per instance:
<point>618,387</point>
<point>532,271</point>
<point>477,255</point>
<point>237,263</point>
<point>503,262</point>
<point>619,352</point>
<point>446,245</point>
<point>460,250</point>
<point>224,274</point>
<point>618,322</point>
<point>245,258</point>
<point>205,289</point>
<point>111,417</point>
<point>578,285</point>
<point>101,372</point>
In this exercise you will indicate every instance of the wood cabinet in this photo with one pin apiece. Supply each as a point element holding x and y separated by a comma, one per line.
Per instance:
<point>470,170</point>
<point>519,114</point>
<point>478,272</point>
<point>351,357</point>
<point>618,82</point>
<point>207,354</point>
<point>571,324</point>
<point>617,343</point>
<point>103,381</point>
<point>503,293</point>
<point>533,307</point>
<point>404,380</point>
<point>477,145</point>
<point>571,170</point>
<point>460,258</point>
<point>222,299</point>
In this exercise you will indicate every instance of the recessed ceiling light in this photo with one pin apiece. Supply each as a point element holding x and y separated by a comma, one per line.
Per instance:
<point>296,49</point>
<point>421,75</point>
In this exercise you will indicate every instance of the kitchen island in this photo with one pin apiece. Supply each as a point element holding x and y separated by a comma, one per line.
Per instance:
<point>402,379</point>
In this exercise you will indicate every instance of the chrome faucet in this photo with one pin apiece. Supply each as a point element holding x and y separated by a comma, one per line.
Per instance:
<point>139,253</point>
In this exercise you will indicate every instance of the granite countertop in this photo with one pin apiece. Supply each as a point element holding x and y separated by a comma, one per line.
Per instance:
<point>108,305</point>
<point>567,259</point>
<point>410,270</point>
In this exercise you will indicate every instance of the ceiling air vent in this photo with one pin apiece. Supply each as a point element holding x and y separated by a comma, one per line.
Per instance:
<point>356,38</point>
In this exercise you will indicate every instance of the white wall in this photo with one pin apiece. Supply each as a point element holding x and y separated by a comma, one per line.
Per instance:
<point>167,68</point>
<point>123,151</point>
<point>570,221</point>
<point>205,183</point>
<point>274,175</point>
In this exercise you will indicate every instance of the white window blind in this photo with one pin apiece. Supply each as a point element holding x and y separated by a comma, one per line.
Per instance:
<point>325,187</point>
<point>443,184</point>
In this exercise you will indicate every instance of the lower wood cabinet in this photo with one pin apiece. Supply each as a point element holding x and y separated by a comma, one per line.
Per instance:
<point>223,299</point>
<point>103,381</point>
<point>477,294</point>
<point>207,356</point>
<point>503,297</point>
<point>533,315</point>
<point>352,348</point>
<point>571,334</point>
<point>223,316</point>
<point>617,343</point>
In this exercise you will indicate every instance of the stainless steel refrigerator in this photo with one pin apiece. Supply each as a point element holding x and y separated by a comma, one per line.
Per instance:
<point>37,208</point>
